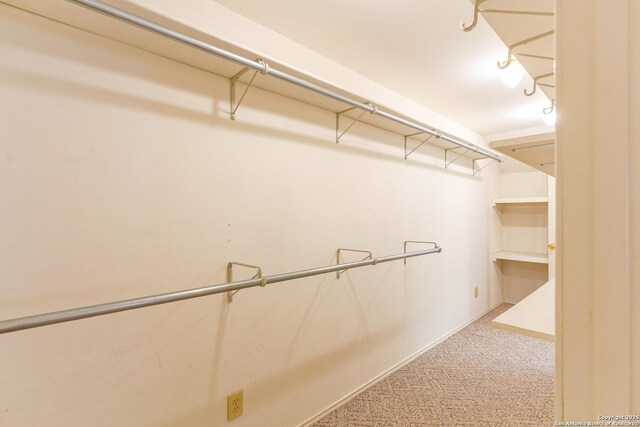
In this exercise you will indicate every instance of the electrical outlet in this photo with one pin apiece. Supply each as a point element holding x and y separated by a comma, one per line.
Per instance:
<point>475,292</point>
<point>235,405</point>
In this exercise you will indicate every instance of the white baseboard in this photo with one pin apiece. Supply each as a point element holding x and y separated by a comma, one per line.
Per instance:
<point>391,370</point>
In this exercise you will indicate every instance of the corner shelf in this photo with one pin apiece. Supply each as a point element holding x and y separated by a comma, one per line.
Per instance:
<point>524,201</point>
<point>533,316</point>
<point>537,151</point>
<point>521,256</point>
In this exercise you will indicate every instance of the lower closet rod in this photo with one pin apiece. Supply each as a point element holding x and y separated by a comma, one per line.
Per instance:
<point>138,21</point>
<point>37,320</point>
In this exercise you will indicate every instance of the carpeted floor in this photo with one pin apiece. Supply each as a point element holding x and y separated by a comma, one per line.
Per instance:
<point>481,376</point>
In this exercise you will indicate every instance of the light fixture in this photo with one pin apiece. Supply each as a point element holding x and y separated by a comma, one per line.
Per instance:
<point>549,119</point>
<point>512,74</point>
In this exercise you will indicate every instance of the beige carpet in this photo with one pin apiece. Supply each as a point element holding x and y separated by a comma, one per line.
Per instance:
<point>481,376</point>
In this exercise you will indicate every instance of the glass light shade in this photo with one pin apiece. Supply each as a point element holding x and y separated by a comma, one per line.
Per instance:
<point>549,119</point>
<point>513,74</point>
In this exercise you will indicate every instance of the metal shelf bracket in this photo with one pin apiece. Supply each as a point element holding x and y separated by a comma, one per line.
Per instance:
<point>536,84</point>
<point>354,121</point>
<point>435,245</point>
<point>504,64</point>
<point>369,256</point>
<point>447,163</point>
<point>531,55</point>
<point>234,79</point>
<point>418,146</point>
<point>477,10</point>
<point>476,171</point>
<point>549,109</point>
<point>529,147</point>
<point>230,276</point>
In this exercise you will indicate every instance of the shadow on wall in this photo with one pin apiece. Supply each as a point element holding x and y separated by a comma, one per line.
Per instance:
<point>350,289</point>
<point>271,388</point>
<point>314,369</point>
<point>135,64</point>
<point>219,117</point>
<point>100,291</point>
<point>364,336</point>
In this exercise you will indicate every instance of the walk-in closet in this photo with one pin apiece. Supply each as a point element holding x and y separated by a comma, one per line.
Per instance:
<point>342,213</point>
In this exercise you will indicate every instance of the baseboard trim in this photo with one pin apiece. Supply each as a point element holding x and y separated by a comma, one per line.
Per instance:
<point>391,370</point>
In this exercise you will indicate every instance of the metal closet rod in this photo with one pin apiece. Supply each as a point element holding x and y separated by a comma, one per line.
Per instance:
<point>38,320</point>
<point>264,68</point>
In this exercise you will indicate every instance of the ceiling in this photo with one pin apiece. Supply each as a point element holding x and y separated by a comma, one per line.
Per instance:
<point>414,47</point>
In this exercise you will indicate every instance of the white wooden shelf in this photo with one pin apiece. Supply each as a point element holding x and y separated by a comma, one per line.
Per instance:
<point>537,151</point>
<point>525,201</point>
<point>120,31</point>
<point>521,256</point>
<point>534,315</point>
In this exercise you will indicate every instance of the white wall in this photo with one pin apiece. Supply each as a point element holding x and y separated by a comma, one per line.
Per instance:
<point>520,279</point>
<point>123,176</point>
<point>598,280</point>
<point>522,182</point>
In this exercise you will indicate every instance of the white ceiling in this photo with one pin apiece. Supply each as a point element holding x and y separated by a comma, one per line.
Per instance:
<point>415,47</point>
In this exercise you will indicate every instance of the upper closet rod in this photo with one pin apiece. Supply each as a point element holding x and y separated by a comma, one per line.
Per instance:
<point>266,69</point>
<point>35,321</point>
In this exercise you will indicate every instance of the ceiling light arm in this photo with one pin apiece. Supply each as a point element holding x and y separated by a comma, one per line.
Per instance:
<point>504,64</point>
<point>535,83</point>
<point>476,10</point>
